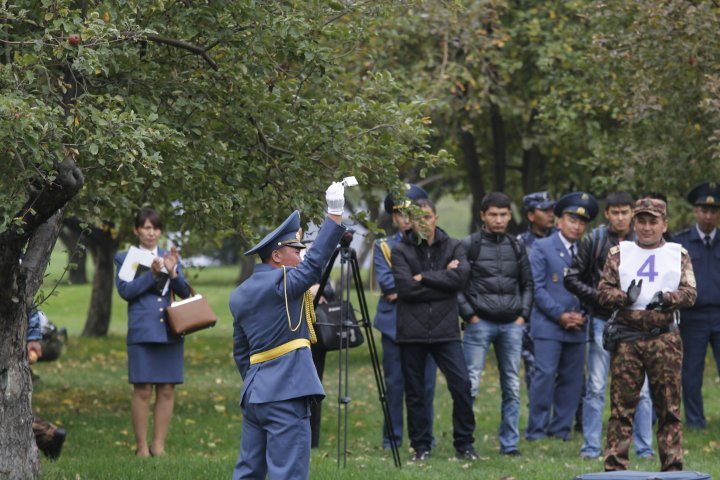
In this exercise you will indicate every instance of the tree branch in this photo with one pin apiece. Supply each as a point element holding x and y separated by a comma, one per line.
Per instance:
<point>190,47</point>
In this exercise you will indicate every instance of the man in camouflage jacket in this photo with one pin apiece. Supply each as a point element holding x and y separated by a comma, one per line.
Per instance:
<point>646,281</point>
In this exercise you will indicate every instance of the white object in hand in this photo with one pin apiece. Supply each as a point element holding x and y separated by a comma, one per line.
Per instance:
<point>349,182</point>
<point>335,198</point>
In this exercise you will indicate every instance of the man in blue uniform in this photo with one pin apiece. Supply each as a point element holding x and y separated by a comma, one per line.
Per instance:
<point>386,320</point>
<point>557,325</point>
<point>538,211</point>
<point>700,324</point>
<point>272,324</point>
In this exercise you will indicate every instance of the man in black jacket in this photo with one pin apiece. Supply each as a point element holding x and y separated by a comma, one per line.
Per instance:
<point>430,268</point>
<point>496,304</point>
<point>582,280</point>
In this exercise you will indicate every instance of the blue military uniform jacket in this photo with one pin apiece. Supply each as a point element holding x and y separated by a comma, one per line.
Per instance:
<point>386,315</point>
<point>146,309</point>
<point>260,323</point>
<point>549,260</point>
<point>705,265</point>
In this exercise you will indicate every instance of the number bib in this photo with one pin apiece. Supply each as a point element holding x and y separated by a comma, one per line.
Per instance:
<point>659,269</point>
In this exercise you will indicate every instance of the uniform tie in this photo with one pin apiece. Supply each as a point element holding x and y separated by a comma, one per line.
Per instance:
<point>572,251</point>
<point>707,241</point>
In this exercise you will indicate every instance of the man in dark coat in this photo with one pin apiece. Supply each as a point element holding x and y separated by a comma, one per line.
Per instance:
<point>496,305</point>
<point>385,319</point>
<point>430,269</point>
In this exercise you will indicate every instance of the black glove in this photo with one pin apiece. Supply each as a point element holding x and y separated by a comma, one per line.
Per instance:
<point>656,302</point>
<point>633,291</point>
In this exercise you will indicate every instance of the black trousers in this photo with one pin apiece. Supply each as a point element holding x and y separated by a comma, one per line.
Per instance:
<point>450,360</point>
<point>318,354</point>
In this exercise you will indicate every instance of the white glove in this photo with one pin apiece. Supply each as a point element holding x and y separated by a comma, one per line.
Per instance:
<point>335,198</point>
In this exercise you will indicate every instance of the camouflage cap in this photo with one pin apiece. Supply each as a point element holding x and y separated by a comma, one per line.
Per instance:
<point>653,206</point>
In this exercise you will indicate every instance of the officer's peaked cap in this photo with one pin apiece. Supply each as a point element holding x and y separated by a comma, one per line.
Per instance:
<point>288,234</point>
<point>706,193</point>
<point>412,192</point>
<point>539,200</point>
<point>581,204</point>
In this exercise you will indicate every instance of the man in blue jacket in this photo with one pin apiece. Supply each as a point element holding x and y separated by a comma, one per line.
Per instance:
<point>386,320</point>
<point>700,324</point>
<point>271,344</point>
<point>557,325</point>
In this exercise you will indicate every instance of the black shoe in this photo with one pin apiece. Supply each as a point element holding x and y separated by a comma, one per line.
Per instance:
<point>466,454</point>
<point>511,453</point>
<point>53,448</point>
<point>420,455</point>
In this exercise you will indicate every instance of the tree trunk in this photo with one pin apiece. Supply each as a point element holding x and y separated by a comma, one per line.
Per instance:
<point>103,243</point>
<point>73,241</point>
<point>97,323</point>
<point>533,170</point>
<point>533,165</point>
<point>18,284</point>
<point>247,265</point>
<point>499,147</point>
<point>475,178</point>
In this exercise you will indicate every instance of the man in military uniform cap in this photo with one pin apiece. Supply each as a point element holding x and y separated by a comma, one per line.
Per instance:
<point>557,326</point>
<point>386,319</point>
<point>700,324</point>
<point>646,281</point>
<point>538,210</point>
<point>272,320</point>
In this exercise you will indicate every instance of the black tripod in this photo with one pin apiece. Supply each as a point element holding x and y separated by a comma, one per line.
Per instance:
<point>348,257</point>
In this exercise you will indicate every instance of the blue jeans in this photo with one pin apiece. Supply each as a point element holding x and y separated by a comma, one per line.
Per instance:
<point>507,341</point>
<point>594,401</point>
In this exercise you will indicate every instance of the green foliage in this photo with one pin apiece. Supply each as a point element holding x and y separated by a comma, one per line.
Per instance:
<point>224,114</point>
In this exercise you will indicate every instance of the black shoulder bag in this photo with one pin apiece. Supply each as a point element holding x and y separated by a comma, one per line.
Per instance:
<point>327,326</point>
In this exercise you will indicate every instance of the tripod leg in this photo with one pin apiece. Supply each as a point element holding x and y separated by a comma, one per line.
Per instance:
<point>379,380</point>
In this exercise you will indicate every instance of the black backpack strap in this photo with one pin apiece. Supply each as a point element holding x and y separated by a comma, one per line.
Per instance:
<point>474,250</point>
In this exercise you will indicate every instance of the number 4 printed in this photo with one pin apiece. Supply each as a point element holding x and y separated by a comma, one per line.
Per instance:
<point>647,269</point>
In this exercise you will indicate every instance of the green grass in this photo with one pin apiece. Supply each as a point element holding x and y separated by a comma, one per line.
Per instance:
<point>86,390</point>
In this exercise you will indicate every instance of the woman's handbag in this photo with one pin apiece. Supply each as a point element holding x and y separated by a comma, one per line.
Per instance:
<point>189,315</point>
<point>327,325</point>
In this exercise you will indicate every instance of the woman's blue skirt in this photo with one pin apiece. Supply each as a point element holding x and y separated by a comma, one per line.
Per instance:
<point>156,362</point>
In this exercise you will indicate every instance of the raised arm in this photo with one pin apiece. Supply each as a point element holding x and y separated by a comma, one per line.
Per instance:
<point>136,287</point>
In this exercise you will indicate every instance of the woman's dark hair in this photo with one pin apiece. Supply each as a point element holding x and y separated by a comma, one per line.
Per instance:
<point>495,199</point>
<point>148,214</point>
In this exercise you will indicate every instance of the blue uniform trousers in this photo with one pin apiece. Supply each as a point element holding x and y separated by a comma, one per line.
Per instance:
<point>395,389</point>
<point>275,440</point>
<point>555,388</point>
<point>697,330</point>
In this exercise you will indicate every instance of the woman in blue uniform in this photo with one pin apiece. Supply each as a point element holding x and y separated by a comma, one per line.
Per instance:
<point>155,356</point>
